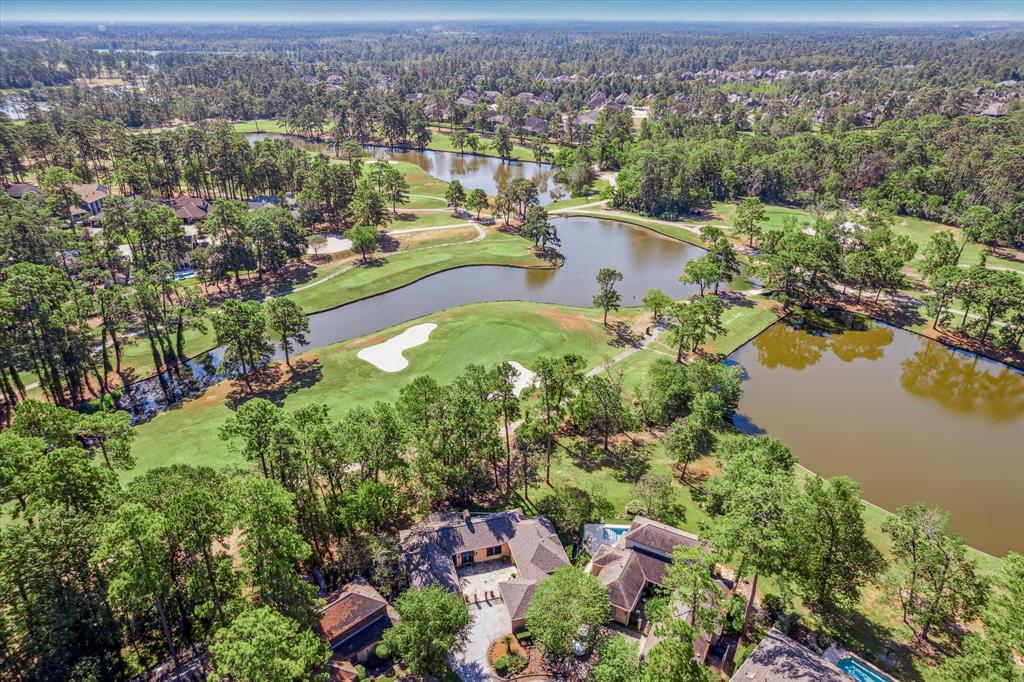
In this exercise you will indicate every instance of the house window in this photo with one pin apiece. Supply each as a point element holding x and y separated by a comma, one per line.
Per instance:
<point>493,551</point>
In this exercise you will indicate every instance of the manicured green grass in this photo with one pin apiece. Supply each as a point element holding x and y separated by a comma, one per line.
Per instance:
<point>263,125</point>
<point>485,333</point>
<point>498,248</point>
<point>661,227</point>
<point>725,212</point>
<point>408,219</point>
<point>442,142</point>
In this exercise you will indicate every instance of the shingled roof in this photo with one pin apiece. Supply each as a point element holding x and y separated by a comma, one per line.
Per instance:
<point>516,594</point>
<point>779,659</point>
<point>659,536</point>
<point>626,573</point>
<point>429,547</point>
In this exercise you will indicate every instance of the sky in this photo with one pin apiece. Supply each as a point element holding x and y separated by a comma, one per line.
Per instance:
<point>914,11</point>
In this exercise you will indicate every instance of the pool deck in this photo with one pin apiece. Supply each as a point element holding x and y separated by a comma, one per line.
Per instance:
<point>835,653</point>
<point>595,535</point>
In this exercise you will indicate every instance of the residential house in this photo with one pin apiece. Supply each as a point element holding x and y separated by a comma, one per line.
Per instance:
<point>634,568</point>
<point>353,622</point>
<point>497,120</point>
<point>436,548</point>
<point>596,100</point>
<point>780,659</point>
<point>468,99</point>
<point>19,190</point>
<point>190,209</point>
<point>92,197</point>
<point>535,125</point>
<point>546,97</point>
<point>588,119</point>
<point>489,96</point>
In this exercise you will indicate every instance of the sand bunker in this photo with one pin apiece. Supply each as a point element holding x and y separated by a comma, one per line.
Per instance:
<point>388,356</point>
<point>525,379</point>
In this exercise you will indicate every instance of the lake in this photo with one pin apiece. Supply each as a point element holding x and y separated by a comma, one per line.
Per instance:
<point>474,172</point>
<point>906,417</point>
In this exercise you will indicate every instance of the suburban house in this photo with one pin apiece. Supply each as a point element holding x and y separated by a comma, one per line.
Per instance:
<point>779,659</point>
<point>353,621</point>
<point>633,569</point>
<point>19,190</point>
<point>92,197</point>
<point>596,100</point>
<point>190,209</point>
<point>443,543</point>
<point>535,125</point>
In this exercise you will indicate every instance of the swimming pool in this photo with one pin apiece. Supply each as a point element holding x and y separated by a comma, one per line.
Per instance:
<point>613,533</point>
<point>184,274</point>
<point>860,671</point>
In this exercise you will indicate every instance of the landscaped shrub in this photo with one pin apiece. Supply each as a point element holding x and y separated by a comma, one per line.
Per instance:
<point>524,636</point>
<point>360,671</point>
<point>773,608</point>
<point>382,652</point>
<point>516,662</point>
<point>501,665</point>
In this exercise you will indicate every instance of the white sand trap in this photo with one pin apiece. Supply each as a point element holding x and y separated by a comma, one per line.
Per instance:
<point>525,379</point>
<point>388,356</point>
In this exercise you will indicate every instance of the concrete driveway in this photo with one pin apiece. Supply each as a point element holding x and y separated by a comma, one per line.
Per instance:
<point>490,621</point>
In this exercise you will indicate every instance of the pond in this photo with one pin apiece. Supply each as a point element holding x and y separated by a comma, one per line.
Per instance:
<point>474,172</point>
<point>646,260</point>
<point>906,417</point>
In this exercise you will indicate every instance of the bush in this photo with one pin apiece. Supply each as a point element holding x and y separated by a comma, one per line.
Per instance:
<point>524,635</point>
<point>516,662</point>
<point>501,665</point>
<point>773,608</point>
<point>360,671</point>
<point>382,652</point>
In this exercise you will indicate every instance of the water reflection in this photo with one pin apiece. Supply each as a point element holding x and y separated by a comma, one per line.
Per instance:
<point>908,418</point>
<point>849,337</point>
<point>964,383</point>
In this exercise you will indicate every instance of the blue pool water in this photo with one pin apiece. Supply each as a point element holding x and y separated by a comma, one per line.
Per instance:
<point>612,534</point>
<point>184,274</point>
<point>861,672</point>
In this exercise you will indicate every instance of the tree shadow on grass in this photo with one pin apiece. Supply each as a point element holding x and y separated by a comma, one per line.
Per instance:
<point>628,460</point>
<point>275,382</point>
<point>623,336</point>
<point>388,243</point>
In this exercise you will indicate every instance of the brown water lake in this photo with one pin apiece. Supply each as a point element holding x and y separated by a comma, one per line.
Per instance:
<point>907,417</point>
<point>474,172</point>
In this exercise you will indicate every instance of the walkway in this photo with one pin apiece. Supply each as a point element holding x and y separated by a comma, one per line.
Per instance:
<point>490,621</point>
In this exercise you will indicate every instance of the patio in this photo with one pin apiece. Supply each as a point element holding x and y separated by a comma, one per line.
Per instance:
<point>479,582</point>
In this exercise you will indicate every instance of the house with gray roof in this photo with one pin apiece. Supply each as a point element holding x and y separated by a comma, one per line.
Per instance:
<point>436,548</point>
<point>780,659</point>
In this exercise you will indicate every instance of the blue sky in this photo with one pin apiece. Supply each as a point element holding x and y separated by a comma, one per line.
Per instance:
<point>538,10</point>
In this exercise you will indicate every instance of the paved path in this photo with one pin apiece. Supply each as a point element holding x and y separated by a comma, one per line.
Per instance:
<point>490,621</point>
<point>647,341</point>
